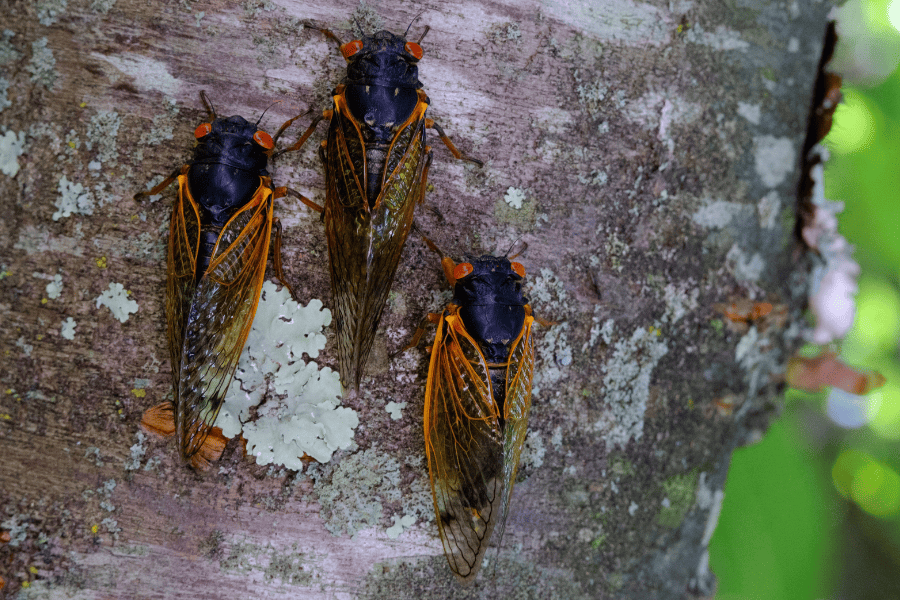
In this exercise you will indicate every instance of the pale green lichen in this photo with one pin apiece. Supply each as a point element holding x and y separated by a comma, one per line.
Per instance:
<point>533,451</point>
<point>744,268</point>
<point>54,288</point>
<point>12,146</point>
<point>42,65</point>
<point>4,94</point>
<point>514,197</point>
<point>680,299</point>
<point>353,493</point>
<point>102,132</point>
<point>67,329</point>
<point>8,52</point>
<point>591,94</point>
<point>626,385</point>
<point>303,415</point>
<point>102,6</point>
<point>400,525</point>
<point>678,497</point>
<point>72,199</point>
<point>48,11</point>
<point>395,409</point>
<point>116,298</point>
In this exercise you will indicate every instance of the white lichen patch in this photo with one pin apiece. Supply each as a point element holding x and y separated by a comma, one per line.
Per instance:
<point>769,207</point>
<point>67,329</point>
<point>12,146</point>
<point>48,11</point>
<point>757,356</point>
<point>117,299</point>
<point>775,158</point>
<point>749,111</point>
<point>533,450</point>
<point>72,199</point>
<point>680,300</point>
<point>629,22</point>
<point>554,357</point>
<point>626,385</point>
<point>4,93</point>
<point>744,268</point>
<point>395,409</point>
<point>717,214</point>
<point>54,288</point>
<point>8,52</point>
<point>102,132</point>
<point>722,38</point>
<point>514,197</point>
<point>400,524</point>
<point>303,414</point>
<point>42,65</point>
<point>144,72</point>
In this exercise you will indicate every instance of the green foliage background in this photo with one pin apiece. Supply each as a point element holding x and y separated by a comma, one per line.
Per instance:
<point>813,510</point>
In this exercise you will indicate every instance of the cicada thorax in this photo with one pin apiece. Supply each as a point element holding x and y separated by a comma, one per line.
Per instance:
<point>492,308</point>
<point>224,176</point>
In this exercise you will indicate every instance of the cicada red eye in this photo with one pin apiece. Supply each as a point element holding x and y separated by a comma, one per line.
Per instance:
<point>263,139</point>
<point>519,269</point>
<point>414,49</point>
<point>461,270</point>
<point>351,48</point>
<point>202,130</point>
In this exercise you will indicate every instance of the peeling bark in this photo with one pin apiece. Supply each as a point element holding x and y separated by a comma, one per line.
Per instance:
<point>654,148</point>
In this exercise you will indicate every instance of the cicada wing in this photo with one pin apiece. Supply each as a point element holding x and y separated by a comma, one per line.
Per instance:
<point>464,446</point>
<point>365,242</point>
<point>184,241</point>
<point>519,375</point>
<point>219,321</point>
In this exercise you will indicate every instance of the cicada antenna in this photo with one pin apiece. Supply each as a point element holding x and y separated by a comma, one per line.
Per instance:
<point>326,32</point>
<point>209,107</point>
<point>516,243</point>
<point>265,111</point>
<point>415,18</point>
<point>424,33</point>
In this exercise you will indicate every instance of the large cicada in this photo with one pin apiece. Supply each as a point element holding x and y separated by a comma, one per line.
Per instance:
<point>477,400</point>
<point>222,223</point>
<point>376,169</point>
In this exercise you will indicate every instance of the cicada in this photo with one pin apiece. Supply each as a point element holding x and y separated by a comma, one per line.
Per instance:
<point>222,223</point>
<point>477,400</point>
<point>376,169</point>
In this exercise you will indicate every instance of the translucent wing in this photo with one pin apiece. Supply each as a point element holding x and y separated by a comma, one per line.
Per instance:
<point>464,446</point>
<point>519,374</point>
<point>365,242</point>
<point>184,240</point>
<point>217,321</point>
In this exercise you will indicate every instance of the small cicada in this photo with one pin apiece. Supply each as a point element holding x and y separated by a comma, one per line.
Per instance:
<point>221,225</point>
<point>376,169</point>
<point>477,400</point>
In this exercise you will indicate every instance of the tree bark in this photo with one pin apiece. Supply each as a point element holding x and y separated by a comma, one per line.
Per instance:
<point>654,148</point>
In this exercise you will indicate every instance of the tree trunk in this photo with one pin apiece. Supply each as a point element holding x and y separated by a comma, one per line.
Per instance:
<point>648,155</point>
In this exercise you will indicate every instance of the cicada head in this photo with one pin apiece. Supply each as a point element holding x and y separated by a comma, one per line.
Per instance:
<point>384,59</point>
<point>233,141</point>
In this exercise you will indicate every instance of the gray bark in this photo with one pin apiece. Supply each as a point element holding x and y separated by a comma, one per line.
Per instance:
<point>655,148</point>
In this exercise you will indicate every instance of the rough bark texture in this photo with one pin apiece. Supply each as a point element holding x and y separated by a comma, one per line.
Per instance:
<point>654,148</point>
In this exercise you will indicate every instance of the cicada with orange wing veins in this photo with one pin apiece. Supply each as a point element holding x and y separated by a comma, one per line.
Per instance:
<point>222,223</point>
<point>477,400</point>
<point>376,169</point>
